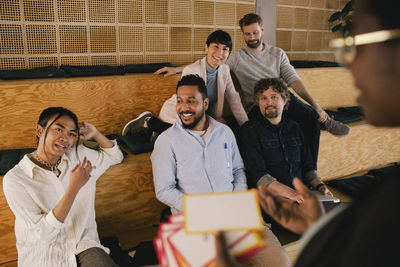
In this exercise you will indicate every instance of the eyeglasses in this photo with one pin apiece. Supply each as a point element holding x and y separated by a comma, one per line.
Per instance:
<point>346,47</point>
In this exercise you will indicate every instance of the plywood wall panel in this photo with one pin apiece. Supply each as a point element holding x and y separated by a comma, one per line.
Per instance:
<point>118,98</point>
<point>110,32</point>
<point>8,250</point>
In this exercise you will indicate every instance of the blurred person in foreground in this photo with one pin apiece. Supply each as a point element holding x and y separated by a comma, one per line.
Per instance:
<point>362,233</point>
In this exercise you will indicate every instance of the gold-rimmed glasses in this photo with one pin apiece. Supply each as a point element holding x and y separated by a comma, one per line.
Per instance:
<point>346,47</point>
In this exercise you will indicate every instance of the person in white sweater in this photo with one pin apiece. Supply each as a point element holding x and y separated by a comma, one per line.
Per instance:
<point>219,83</point>
<point>51,192</point>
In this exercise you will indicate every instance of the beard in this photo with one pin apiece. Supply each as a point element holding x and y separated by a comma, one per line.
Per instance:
<point>254,43</point>
<point>271,114</point>
<point>194,123</point>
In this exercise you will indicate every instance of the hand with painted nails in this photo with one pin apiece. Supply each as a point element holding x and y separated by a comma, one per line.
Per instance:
<point>297,217</point>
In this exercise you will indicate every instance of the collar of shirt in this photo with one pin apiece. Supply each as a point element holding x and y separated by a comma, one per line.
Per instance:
<point>212,125</point>
<point>266,123</point>
<point>28,166</point>
<point>211,70</point>
<point>260,118</point>
<point>265,47</point>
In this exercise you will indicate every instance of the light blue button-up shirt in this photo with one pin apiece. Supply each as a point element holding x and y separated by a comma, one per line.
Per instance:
<point>184,164</point>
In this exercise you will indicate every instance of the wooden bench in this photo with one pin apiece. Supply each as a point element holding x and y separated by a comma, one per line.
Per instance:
<point>126,206</point>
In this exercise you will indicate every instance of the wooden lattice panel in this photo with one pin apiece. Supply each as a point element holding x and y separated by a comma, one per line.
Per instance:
<point>10,10</point>
<point>156,39</point>
<point>181,59</point>
<point>200,38</point>
<point>224,14</point>
<point>243,9</point>
<point>102,11</point>
<point>39,10</point>
<point>314,41</point>
<point>301,16</point>
<point>73,39</point>
<point>203,13</point>
<point>316,19</point>
<point>181,12</point>
<point>285,17</point>
<point>198,56</point>
<point>104,60</point>
<point>113,31</point>
<point>36,62</point>
<point>12,63</point>
<point>156,58</point>
<point>181,39</point>
<point>130,11</point>
<point>303,30</point>
<point>11,39</point>
<point>231,32</point>
<point>284,40</point>
<point>156,11</point>
<point>75,61</point>
<point>71,10</point>
<point>131,59</point>
<point>102,39</point>
<point>41,39</point>
<point>130,39</point>
<point>238,41</point>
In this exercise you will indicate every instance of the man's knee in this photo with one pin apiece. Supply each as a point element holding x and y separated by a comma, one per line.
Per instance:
<point>273,254</point>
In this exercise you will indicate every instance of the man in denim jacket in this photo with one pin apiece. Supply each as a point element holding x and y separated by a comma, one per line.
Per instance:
<point>273,147</point>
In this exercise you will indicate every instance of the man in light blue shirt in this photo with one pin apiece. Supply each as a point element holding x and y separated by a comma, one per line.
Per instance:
<point>200,155</point>
<point>197,154</point>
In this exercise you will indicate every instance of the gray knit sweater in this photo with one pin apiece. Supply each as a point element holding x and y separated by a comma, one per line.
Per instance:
<point>250,67</point>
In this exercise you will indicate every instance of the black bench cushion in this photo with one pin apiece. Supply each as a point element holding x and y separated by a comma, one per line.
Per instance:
<point>145,68</point>
<point>136,144</point>
<point>355,186</point>
<point>100,70</point>
<point>346,114</point>
<point>9,158</point>
<point>44,72</point>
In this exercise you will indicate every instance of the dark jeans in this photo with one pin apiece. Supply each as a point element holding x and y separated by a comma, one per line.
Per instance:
<point>94,257</point>
<point>306,117</point>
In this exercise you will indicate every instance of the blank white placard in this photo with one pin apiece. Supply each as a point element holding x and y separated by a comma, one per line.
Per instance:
<point>228,211</point>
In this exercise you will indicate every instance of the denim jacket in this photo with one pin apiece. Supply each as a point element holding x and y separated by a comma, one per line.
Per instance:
<point>273,152</point>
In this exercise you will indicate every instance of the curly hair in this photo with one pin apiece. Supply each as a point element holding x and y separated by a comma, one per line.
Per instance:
<point>278,85</point>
